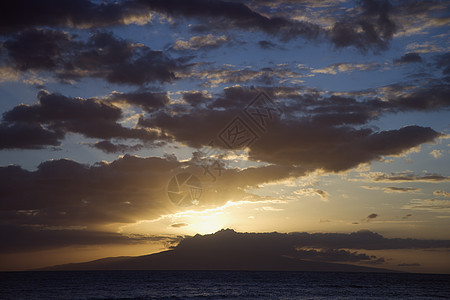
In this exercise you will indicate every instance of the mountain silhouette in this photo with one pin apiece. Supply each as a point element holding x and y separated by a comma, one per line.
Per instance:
<point>223,250</point>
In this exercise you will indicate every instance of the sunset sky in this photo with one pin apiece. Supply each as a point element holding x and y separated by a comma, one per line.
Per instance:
<point>341,110</point>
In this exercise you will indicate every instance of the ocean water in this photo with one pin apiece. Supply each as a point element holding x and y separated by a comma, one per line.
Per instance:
<point>220,285</point>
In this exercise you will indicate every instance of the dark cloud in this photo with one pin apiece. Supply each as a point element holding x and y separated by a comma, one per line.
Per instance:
<point>337,255</point>
<point>409,265</point>
<point>371,217</point>
<point>225,15</point>
<point>416,17</point>
<point>234,98</point>
<point>102,56</point>
<point>47,122</point>
<point>37,238</point>
<point>178,225</point>
<point>408,58</point>
<point>394,189</point>
<point>148,101</point>
<point>28,136</point>
<point>108,147</point>
<point>373,29</point>
<point>425,98</point>
<point>406,216</point>
<point>310,134</point>
<point>406,176</point>
<point>316,146</point>
<point>195,98</point>
<point>189,128</point>
<point>443,63</point>
<point>66,193</point>
<point>22,14</point>
<point>267,45</point>
<point>38,49</point>
<point>287,243</point>
<point>369,26</point>
<point>441,193</point>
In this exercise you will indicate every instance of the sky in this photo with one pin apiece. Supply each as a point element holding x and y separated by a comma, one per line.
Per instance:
<point>129,125</point>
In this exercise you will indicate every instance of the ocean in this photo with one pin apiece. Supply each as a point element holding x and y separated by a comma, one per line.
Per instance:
<point>221,285</point>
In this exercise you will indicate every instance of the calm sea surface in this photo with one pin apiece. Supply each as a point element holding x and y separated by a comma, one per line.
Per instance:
<point>220,285</point>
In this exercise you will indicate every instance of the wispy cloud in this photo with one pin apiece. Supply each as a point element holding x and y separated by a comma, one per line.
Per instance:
<point>432,205</point>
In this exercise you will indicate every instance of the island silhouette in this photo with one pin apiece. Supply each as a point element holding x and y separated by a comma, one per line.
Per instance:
<point>224,250</point>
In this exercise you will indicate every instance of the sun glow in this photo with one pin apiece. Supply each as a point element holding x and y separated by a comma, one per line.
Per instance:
<point>208,224</point>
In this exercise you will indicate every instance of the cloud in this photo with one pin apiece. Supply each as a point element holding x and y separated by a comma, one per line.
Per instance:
<point>308,134</point>
<point>229,74</point>
<point>337,255</point>
<point>28,136</point>
<point>65,203</point>
<point>102,56</point>
<point>408,58</point>
<point>407,216</point>
<point>66,193</point>
<point>108,147</point>
<point>431,205</point>
<point>8,73</point>
<point>393,189</point>
<point>71,13</point>
<point>313,145</point>
<point>407,176</point>
<point>307,126</point>
<point>443,62</point>
<point>287,243</point>
<point>373,29</point>
<point>123,191</point>
<point>178,225</point>
<point>418,17</point>
<point>223,15</point>
<point>370,26</point>
<point>38,49</point>
<point>38,238</point>
<point>266,45</point>
<point>371,217</point>
<point>200,42</point>
<point>148,101</point>
<point>441,193</point>
<point>427,97</point>
<point>425,47</point>
<point>310,192</point>
<point>370,187</point>
<point>195,98</point>
<point>436,153</point>
<point>47,122</point>
<point>347,67</point>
